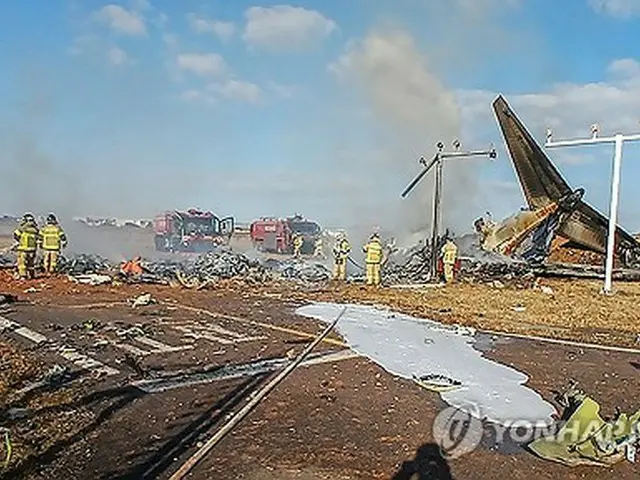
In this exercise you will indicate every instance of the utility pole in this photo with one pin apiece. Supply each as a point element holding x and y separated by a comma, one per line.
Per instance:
<point>618,141</point>
<point>438,162</point>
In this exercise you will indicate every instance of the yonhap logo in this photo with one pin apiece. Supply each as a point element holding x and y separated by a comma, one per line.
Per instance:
<point>457,431</point>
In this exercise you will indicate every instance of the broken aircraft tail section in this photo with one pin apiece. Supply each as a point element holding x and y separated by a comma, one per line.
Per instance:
<point>543,185</point>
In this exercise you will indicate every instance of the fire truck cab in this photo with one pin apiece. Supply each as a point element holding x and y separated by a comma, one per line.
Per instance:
<point>191,231</point>
<point>276,234</point>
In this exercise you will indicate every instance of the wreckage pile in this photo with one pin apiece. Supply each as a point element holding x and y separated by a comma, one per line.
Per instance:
<point>300,270</point>
<point>221,264</point>
<point>411,265</point>
<point>208,267</point>
<point>83,263</point>
<point>516,273</point>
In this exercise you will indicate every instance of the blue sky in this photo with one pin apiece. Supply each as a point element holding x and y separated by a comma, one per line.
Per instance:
<point>256,108</point>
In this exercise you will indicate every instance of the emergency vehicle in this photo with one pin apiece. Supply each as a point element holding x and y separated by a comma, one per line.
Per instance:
<point>191,231</point>
<point>276,235</point>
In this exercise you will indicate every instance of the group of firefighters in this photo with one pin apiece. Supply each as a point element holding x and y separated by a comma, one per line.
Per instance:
<point>51,239</point>
<point>374,256</point>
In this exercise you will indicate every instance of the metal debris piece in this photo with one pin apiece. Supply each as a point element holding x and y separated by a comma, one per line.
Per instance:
<point>143,300</point>
<point>7,260</point>
<point>7,298</point>
<point>91,279</point>
<point>585,438</point>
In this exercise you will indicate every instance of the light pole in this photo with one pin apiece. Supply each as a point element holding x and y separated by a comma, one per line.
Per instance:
<point>617,140</point>
<point>437,161</point>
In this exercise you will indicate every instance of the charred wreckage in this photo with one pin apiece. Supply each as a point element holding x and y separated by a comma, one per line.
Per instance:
<point>556,216</point>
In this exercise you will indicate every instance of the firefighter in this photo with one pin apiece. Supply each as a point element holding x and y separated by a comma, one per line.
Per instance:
<point>297,244</point>
<point>319,251</point>
<point>52,241</point>
<point>373,259</point>
<point>449,254</point>
<point>26,236</point>
<point>341,251</point>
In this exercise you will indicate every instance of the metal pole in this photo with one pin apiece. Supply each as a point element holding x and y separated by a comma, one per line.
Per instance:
<point>437,162</point>
<point>213,441</point>
<point>435,227</point>
<point>618,140</point>
<point>613,212</point>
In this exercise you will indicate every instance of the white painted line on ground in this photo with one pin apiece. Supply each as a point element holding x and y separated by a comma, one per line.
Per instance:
<point>212,338</point>
<point>207,332</point>
<point>237,337</point>
<point>160,347</point>
<point>81,361</point>
<point>248,339</point>
<point>35,337</point>
<point>84,362</point>
<point>131,349</point>
<point>223,331</point>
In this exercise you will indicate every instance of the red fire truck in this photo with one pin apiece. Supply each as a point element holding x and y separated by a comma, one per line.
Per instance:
<point>276,234</point>
<point>191,231</point>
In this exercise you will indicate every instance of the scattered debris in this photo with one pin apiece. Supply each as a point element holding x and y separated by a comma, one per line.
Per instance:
<point>91,279</point>
<point>7,260</point>
<point>408,265</point>
<point>585,438</point>
<point>83,263</point>
<point>143,300</point>
<point>306,271</point>
<point>6,299</point>
<point>546,290</point>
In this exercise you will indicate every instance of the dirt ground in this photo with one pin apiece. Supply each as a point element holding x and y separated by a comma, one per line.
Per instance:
<point>144,387</point>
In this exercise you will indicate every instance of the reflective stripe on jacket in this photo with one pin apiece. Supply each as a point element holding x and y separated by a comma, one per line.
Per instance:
<point>27,237</point>
<point>449,253</point>
<point>52,237</point>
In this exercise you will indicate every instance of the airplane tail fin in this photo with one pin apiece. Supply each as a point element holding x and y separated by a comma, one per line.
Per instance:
<point>540,181</point>
<point>542,184</point>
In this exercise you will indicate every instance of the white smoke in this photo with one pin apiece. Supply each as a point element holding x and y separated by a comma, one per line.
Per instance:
<point>413,110</point>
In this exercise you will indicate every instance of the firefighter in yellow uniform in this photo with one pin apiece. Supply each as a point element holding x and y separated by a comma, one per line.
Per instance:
<point>297,244</point>
<point>52,241</point>
<point>341,252</point>
<point>449,256</point>
<point>373,259</point>
<point>26,236</point>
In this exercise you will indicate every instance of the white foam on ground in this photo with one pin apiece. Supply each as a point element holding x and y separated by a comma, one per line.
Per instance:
<point>408,347</point>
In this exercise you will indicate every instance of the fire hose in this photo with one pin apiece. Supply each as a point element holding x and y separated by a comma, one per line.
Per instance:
<point>356,264</point>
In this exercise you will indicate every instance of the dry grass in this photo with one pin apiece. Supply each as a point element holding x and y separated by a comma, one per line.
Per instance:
<point>575,311</point>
